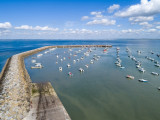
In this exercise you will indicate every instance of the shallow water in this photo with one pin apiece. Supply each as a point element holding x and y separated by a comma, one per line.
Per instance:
<point>102,91</point>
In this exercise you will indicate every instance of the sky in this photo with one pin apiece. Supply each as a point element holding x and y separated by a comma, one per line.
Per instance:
<point>79,19</point>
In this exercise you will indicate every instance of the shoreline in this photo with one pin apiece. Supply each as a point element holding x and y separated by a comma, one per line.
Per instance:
<point>15,84</point>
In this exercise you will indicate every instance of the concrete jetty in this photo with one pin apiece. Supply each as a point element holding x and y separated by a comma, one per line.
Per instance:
<point>16,91</point>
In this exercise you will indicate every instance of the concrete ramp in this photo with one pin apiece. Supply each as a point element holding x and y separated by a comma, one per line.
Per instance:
<point>45,104</point>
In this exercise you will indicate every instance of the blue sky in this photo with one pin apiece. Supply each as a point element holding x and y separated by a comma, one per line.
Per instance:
<point>79,19</point>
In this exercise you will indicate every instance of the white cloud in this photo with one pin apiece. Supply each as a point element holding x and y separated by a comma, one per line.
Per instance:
<point>152,30</point>
<point>141,19</point>
<point>102,22</point>
<point>24,27</point>
<point>85,18</point>
<point>158,27</point>
<point>145,8</point>
<point>97,14</point>
<point>45,28</point>
<point>145,24</point>
<point>5,25</point>
<point>113,8</point>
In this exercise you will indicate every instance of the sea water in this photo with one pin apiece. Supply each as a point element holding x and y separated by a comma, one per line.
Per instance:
<point>102,91</point>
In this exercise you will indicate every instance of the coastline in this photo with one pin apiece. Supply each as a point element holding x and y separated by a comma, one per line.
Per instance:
<point>15,84</point>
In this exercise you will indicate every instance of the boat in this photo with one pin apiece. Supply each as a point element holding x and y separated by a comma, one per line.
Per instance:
<point>141,70</point>
<point>57,56</point>
<point>142,80</point>
<point>82,58</point>
<point>61,60</point>
<point>122,67</point>
<point>77,59</point>
<point>68,65</point>
<point>130,77</point>
<point>157,65</point>
<point>74,61</point>
<point>81,70</point>
<point>56,62</point>
<point>154,73</point>
<point>39,55</point>
<point>119,65</point>
<point>158,88</point>
<point>60,68</point>
<point>138,51</point>
<point>70,74</point>
<point>91,62</point>
<point>33,61</point>
<point>64,58</point>
<point>86,66</point>
<point>36,67</point>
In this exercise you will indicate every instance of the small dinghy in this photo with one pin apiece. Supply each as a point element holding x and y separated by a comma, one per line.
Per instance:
<point>130,77</point>
<point>33,61</point>
<point>60,68</point>
<point>157,65</point>
<point>74,61</point>
<point>68,65</point>
<point>81,70</point>
<point>122,67</point>
<point>70,74</point>
<point>142,80</point>
<point>141,70</point>
<point>154,73</point>
<point>86,66</point>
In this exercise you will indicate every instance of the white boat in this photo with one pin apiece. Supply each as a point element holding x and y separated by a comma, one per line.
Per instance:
<point>64,58</point>
<point>37,65</point>
<point>46,52</point>
<point>138,51</point>
<point>138,66</point>
<point>122,67</point>
<point>77,59</point>
<point>33,61</point>
<point>158,88</point>
<point>60,68</point>
<point>91,62</point>
<point>39,55</point>
<point>82,58</point>
<point>81,70</point>
<point>61,60</point>
<point>56,62</point>
<point>119,65</point>
<point>86,66</point>
<point>157,65</point>
<point>57,56</point>
<point>130,77</point>
<point>70,74</point>
<point>141,70</point>
<point>142,80</point>
<point>154,73</point>
<point>68,65</point>
<point>74,61</point>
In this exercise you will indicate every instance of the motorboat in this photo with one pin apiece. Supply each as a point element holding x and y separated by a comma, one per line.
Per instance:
<point>86,66</point>
<point>158,88</point>
<point>37,66</point>
<point>68,65</point>
<point>74,61</point>
<point>138,51</point>
<point>64,58</point>
<point>91,62</point>
<point>56,62</point>
<point>39,55</point>
<point>119,65</point>
<point>122,67</point>
<point>81,70</point>
<point>82,58</point>
<point>130,77</point>
<point>142,80</point>
<point>33,61</point>
<point>157,65</point>
<point>154,73</point>
<point>70,74</point>
<point>60,68</point>
<point>57,56</point>
<point>141,70</point>
<point>77,59</point>
<point>61,60</point>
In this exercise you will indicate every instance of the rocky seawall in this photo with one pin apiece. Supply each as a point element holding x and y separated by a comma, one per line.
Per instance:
<point>15,85</point>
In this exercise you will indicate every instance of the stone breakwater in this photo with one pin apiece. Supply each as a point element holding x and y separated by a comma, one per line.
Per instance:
<point>15,89</point>
<point>15,85</point>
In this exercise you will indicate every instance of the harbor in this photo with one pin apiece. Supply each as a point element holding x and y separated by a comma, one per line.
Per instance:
<point>16,87</point>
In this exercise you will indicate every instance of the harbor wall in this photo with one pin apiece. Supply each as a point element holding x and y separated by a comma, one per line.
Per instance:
<point>15,84</point>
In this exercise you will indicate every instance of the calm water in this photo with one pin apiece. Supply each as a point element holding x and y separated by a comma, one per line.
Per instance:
<point>102,92</point>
